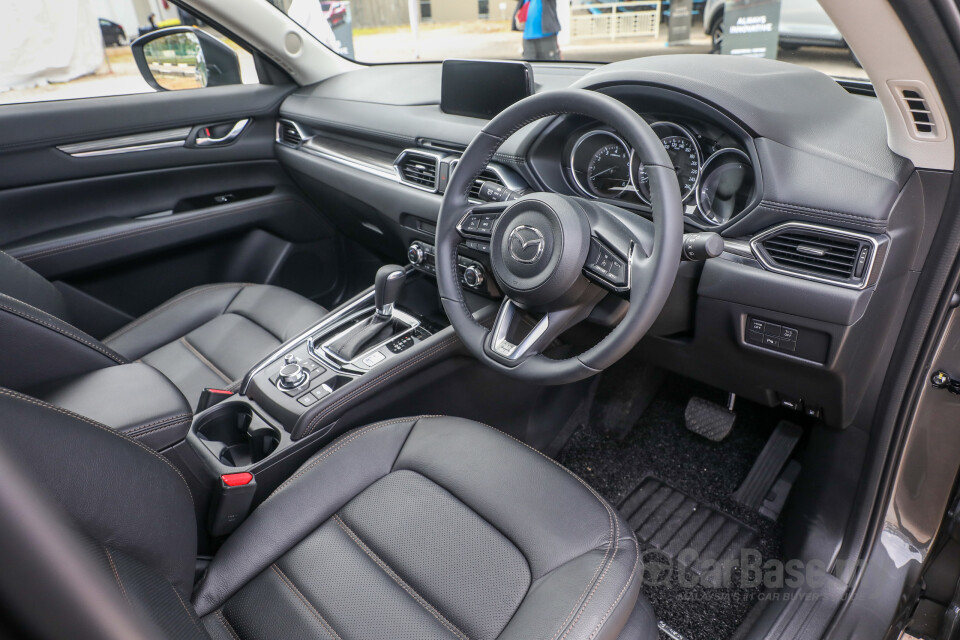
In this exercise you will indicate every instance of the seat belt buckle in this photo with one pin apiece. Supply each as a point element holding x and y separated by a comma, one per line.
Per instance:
<point>210,397</point>
<point>231,502</point>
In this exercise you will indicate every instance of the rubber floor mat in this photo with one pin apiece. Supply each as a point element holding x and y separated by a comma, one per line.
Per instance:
<point>697,538</point>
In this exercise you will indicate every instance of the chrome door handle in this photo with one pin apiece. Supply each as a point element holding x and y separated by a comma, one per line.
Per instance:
<point>236,130</point>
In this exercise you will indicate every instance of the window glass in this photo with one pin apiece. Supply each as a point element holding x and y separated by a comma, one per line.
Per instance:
<point>56,50</point>
<point>797,31</point>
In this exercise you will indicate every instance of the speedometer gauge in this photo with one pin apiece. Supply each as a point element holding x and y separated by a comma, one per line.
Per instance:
<point>684,155</point>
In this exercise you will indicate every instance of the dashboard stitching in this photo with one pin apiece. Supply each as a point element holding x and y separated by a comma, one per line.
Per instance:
<point>784,206</point>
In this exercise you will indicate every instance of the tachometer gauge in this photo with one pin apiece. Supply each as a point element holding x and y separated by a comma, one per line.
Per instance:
<point>684,153</point>
<point>608,174</point>
<point>600,165</point>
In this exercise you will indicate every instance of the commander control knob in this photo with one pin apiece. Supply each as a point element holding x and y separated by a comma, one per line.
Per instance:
<point>292,376</point>
<point>473,276</point>
<point>415,253</point>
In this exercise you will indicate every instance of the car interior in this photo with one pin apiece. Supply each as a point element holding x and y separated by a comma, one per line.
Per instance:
<point>385,351</point>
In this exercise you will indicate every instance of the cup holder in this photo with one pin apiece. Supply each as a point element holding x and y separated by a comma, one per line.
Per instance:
<point>236,435</point>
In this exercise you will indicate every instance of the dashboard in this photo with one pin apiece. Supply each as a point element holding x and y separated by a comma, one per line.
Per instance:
<point>821,222</point>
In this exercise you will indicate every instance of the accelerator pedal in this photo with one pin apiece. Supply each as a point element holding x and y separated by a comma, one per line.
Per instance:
<point>709,419</point>
<point>766,469</point>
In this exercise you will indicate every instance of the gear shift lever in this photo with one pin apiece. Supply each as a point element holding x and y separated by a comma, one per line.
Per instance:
<point>387,288</point>
<point>381,325</point>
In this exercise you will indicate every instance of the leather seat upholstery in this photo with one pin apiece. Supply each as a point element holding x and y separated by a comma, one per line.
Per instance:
<point>208,336</point>
<point>412,528</point>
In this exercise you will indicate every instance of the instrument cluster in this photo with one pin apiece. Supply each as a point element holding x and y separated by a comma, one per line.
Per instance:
<point>716,177</point>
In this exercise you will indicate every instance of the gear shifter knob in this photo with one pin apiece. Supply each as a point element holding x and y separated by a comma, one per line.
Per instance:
<point>387,287</point>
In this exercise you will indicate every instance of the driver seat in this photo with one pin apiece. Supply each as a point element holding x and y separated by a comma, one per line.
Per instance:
<point>428,527</point>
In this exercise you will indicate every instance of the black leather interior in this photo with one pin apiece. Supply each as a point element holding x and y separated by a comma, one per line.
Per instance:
<point>134,399</point>
<point>210,336</point>
<point>411,528</point>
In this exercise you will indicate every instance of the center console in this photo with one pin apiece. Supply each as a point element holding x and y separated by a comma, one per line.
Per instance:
<point>305,393</point>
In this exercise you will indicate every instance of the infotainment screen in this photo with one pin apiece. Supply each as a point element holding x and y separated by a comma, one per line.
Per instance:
<point>483,88</point>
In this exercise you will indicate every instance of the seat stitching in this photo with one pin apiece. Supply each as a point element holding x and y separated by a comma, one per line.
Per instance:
<point>380,379</point>
<point>203,359</point>
<point>190,614</point>
<point>77,416</point>
<point>400,581</point>
<point>633,572</point>
<point>596,585</point>
<point>255,322</point>
<point>166,305</point>
<point>116,574</point>
<point>287,581</point>
<point>59,330</point>
<point>336,445</point>
<point>143,428</point>
<point>226,625</point>
<point>614,530</point>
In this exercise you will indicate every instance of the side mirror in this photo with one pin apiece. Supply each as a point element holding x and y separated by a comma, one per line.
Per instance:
<point>184,58</point>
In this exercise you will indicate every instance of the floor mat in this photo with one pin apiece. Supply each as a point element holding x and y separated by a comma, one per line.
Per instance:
<point>687,532</point>
<point>659,449</point>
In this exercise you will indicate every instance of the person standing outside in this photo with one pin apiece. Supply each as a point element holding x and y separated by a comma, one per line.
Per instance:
<point>540,28</point>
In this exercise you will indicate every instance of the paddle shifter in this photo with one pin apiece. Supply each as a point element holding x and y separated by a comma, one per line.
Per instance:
<point>379,327</point>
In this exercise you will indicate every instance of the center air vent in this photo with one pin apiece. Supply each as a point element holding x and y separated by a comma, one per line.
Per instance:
<point>418,169</point>
<point>289,133</point>
<point>816,252</point>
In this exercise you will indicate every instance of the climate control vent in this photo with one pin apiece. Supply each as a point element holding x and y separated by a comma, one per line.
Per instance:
<point>289,133</point>
<point>418,169</point>
<point>923,119</point>
<point>815,252</point>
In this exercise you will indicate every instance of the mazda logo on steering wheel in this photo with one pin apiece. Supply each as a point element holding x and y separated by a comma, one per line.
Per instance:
<point>526,244</point>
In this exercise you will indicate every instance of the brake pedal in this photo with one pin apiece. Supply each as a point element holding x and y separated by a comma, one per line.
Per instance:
<point>709,419</point>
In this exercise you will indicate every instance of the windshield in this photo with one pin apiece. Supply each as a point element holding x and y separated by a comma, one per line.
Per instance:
<point>378,31</point>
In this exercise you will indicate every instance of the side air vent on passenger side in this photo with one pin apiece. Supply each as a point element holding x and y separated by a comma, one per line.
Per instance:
<point>418,169</point>
<point>818,253</point>
<point>923,120</point>
<point>289,133</point>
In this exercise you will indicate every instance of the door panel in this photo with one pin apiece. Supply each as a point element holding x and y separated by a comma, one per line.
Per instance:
<point>123,231</point>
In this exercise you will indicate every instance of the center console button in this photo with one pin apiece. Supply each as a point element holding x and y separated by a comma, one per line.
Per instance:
<point>307,399</point>
<point>374,358</point>
<point>292,375</point>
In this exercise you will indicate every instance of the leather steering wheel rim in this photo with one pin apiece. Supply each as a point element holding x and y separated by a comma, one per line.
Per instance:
<point>652,274</point>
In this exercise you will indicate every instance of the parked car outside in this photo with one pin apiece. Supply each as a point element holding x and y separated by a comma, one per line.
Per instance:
<point>113,34</point>
<point>803,23</point>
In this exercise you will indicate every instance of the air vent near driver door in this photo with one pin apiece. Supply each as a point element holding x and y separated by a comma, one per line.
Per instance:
<point>418,169</point>
<point>817,253</point>
<point>289,133</point>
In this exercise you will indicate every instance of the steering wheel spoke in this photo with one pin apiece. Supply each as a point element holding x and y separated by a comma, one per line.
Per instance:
<point>507,341</point>
<point>478,221</point>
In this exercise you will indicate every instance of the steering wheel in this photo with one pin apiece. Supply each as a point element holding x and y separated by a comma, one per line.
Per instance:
<point>559,256</point>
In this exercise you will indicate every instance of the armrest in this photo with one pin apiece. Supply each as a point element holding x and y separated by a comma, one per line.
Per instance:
<point>134,399</point>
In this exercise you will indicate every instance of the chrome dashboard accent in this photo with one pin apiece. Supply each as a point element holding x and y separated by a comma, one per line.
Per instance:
<point>168,138</point>
<point>315,148</point>
<point>870,274</point>
<point>434,156</point>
